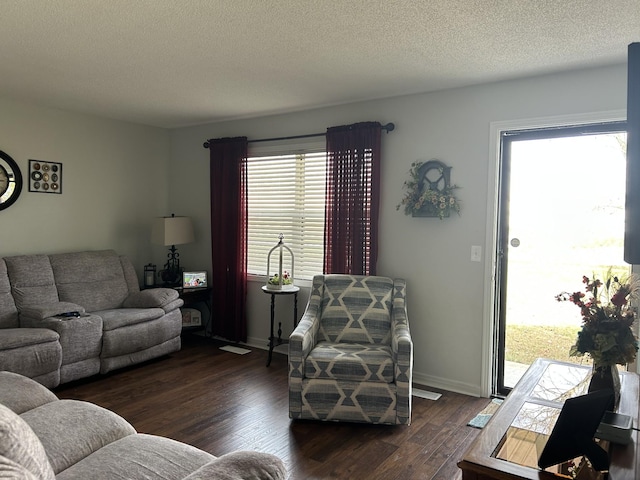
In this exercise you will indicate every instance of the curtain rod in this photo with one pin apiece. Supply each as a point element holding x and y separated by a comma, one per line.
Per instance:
<point>389,127</point>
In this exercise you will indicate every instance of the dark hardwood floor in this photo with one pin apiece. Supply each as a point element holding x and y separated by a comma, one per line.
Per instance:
<point>222,402</point>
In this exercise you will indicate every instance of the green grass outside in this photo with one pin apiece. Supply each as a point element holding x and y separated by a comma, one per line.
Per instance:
<point>525,343</point>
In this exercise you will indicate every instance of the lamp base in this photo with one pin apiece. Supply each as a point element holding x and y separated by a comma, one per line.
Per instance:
<point>171,278</point>
<point>172,273</point>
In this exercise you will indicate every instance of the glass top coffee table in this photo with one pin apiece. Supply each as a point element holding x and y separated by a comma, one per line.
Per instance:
<point>509,446</point>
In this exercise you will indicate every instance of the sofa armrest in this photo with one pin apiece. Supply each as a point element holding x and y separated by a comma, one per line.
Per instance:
<point>153,298</point>
<point>40,312</point>
<point>242,465</point>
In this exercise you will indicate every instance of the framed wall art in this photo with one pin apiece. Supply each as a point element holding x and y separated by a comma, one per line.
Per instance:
<point>45,177</point>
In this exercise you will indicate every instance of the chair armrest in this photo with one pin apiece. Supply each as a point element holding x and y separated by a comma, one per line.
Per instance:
<point>242,465</point>
<point>303,338</point>
<point>402,351</point>
<point>401,343</point>
<point>40,312</point>
<point>402,346</point>
<point>301,342</point>
<point>165,298</point>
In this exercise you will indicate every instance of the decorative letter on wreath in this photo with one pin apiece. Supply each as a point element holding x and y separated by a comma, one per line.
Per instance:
<point>429,191</point>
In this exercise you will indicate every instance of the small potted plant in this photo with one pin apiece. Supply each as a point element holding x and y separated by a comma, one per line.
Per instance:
<point>275,284</point>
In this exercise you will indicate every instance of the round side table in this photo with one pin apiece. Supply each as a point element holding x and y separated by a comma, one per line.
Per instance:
<point>273,340</point>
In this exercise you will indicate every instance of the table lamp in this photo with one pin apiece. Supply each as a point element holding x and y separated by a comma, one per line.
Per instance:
<point>172,231</point>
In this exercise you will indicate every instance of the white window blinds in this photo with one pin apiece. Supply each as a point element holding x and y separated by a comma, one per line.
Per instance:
<point>286,194</point>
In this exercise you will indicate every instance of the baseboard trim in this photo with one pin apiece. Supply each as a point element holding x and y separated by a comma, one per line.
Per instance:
<point>258,342</point>
<point>445,384</point>
<point>418,378</point>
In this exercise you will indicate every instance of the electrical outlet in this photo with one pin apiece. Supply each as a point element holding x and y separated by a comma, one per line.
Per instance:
<point>476,253</point>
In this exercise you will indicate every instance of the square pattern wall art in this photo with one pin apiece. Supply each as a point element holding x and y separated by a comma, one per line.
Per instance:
<point>45,177</point>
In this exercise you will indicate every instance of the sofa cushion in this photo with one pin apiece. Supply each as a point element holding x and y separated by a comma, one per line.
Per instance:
<point>139,456</point>
<point>242,465</point>
<point>93,279</point>
<point>32,281</point>
<point>19,445</point>
<point>20,393</point>
<point>350,361</point>
<point>130,275</point>
<point>71,430</point>
<point>123,317</point>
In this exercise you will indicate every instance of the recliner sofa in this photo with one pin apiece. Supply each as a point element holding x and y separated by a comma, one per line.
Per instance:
<point>118,324</point>
<point>44,438</point>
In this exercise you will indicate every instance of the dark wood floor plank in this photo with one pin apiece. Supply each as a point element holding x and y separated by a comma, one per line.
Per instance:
<point>223,402</point>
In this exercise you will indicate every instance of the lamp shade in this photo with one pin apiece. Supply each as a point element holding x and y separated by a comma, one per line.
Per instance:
<point>172,231</point>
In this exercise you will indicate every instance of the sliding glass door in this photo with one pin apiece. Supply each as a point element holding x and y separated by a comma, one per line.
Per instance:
<point>561,217</point>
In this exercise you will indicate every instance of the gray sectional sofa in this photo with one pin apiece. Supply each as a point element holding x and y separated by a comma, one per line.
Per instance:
<point>42,437</point>
<point>117,324</point>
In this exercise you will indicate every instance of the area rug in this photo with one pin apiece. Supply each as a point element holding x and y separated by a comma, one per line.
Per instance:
<point>236,350</point>
<point>481,419</point>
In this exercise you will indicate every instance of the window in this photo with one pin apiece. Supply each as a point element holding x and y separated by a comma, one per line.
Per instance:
<point>286,194</point>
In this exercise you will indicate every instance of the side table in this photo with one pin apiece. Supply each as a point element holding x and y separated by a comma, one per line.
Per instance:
<point>272,338</point>
<point>191,296</point>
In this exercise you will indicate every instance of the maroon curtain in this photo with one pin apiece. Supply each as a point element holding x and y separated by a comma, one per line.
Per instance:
<point>228,171</point>
<point>352,199</point>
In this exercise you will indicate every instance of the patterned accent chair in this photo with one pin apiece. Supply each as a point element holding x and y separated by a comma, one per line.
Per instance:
<point>351,355</point>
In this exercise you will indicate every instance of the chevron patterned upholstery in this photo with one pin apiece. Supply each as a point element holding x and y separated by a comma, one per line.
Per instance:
<point>351,356</point>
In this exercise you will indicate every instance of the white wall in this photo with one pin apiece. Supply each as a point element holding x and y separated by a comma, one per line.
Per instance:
<point>446,291</point>
<point>118,176</point>
<point>115,178</point>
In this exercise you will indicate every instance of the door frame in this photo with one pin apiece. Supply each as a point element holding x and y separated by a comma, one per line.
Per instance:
<point>503,238</point>
<point>489,314</point>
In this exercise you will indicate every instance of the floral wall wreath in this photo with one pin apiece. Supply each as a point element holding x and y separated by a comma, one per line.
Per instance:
<point>429,192</point>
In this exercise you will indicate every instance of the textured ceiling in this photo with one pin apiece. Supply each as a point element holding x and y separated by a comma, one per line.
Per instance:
<point>172,63</point>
